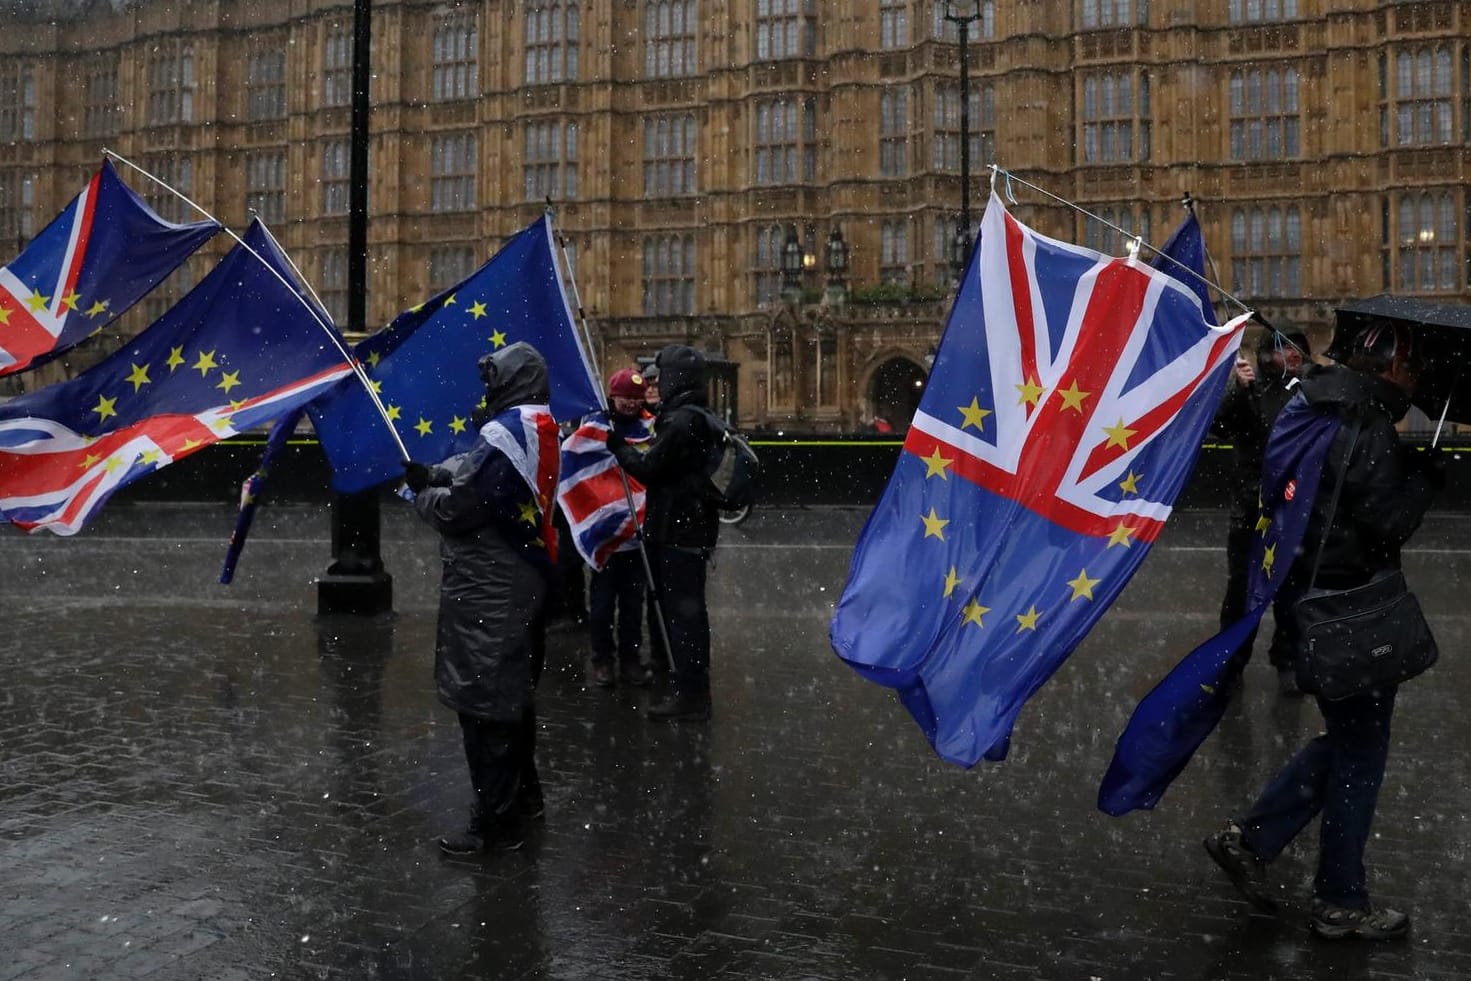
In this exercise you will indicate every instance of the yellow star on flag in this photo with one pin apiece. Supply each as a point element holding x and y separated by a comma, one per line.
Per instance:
<point>1130,484</point>
<point>139,377</point>
<point>150,456</point>
<point>934,525</point>
<point>936,464</point>
<point>377,385</point>
<point>529,512</point>
<point>70,301</point>
<point>498,338</point>
<point>424,426</point>
<point>477,309</point>
<point>1029,392</point>
<point>104,407</point>
<point>89,461</point>
<point>175,358</point>
<point>373,358</point>
<point>112,464</point>
<point>228,380</point>
<point>205,363</point>
<point>4,315</point>
<point>450,301</point>
<point>1072,397</point>
<point>1027,620</point>
<point>189,444</point>
<point>1120,535</point>
<point>952,579</point>
<point>457,424</point>
<point>1119,435</point>
<point>36,301</point>
<point>1269,559</point>
<point>98,308</point>
<point>973,611</point>
<point>1083,586</point>
<point>1263,523</point>
<point>974,415</point>
<point>393,412</point>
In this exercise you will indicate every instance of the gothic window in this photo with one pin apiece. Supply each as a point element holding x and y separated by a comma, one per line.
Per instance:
<point>669,38</point>
<point>1116,125</point>
<point>669,275</point>
<point>669,155</point>
<point>552,34</point>
<point>452,172</point>
<point>456,54</point>
<point>1266,251</point>
<point>1264,114</point>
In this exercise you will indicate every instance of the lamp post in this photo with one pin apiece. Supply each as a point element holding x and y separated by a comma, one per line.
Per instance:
<point>962,15</point>
<point>792,262</point>
<point>837,267</point>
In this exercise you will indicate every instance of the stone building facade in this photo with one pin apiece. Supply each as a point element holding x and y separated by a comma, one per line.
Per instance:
<point>685,143</point>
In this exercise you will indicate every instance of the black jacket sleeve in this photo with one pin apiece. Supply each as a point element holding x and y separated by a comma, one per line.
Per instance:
<point>676,451</point>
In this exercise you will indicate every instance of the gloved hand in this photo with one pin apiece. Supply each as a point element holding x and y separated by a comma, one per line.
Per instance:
<point>416,475</point>
<point>615,440</point>
<point>480,416</point>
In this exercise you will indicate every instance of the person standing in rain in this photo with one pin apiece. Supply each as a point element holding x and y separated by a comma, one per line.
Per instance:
<point>1250,407</point>
<point>491,506</point>
<point>616,594</point>
<point>682,522</point>
<point>1384,496</point>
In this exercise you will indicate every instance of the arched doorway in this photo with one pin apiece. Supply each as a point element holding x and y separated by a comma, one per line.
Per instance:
<point>894,391</point>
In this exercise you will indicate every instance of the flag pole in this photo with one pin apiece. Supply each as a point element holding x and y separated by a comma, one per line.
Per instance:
<point>333,336</point>
<point>586,341</point>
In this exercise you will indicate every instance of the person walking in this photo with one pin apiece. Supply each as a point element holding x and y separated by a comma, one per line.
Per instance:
<point>616,594</point>
<point>681,524</point>
<point>1385,493</point>
<point>492,507</point>
<point>1250,407</point>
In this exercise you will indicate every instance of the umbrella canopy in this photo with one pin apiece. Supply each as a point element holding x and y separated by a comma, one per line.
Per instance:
<point>1442,337</point>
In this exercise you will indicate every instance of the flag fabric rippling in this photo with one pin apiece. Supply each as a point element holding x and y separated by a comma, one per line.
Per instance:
<point>592,495</point>
<point>1063,414</point>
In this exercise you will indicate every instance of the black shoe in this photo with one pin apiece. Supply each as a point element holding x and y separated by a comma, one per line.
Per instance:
<point>602,675</point>
<point>1340,923</point>
<point>1287,682</point>
<point>476,840</point>
<point>638,675</point>
<point>677,707</point>
<point>533,808</point>
<point>1247,872</point>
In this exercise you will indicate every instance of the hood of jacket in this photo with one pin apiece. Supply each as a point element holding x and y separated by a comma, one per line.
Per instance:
<point>1348,393</point>
<point>514,375</point>
<point>681,376</point>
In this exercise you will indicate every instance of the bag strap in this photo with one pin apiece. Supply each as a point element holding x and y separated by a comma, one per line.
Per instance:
<point>1333,502</point>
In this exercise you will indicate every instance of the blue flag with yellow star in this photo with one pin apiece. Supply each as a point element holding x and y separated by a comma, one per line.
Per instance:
<point>1172,721</point>
<point>97,258</point>
<point>1064,412</point>
<point>238,351</point>
<point>423,365</point>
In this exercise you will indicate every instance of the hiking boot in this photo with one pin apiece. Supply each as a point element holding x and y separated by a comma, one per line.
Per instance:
<point>602,675</point>
<point>677,707</point>
<point>1247,872</point>
<point>1287,682</point>
<point>1341,923</point>
<point>476,839</point>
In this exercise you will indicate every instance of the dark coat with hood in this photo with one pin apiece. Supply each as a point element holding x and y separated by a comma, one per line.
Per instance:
<point>681,510</point>
<point>495,566</point>
<point>1245,418</point>
<point>1386,489</point>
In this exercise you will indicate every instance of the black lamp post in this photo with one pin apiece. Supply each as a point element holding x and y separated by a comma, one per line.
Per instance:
<point>962,15</point>
<point>837,266</point>
<point>792,261</point>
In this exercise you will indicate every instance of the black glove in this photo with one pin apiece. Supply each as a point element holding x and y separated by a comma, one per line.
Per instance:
<point>480,416</point>
<point>615,440</point>
<point>416,475</point>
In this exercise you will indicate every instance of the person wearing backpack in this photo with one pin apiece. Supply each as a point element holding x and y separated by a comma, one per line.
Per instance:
<point>682,522</point>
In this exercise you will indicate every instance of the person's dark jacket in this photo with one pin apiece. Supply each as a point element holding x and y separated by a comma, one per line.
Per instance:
<point>1387,488</point>
<point>1245,419</point>
<point>495,566</point>
<point>681,510</point>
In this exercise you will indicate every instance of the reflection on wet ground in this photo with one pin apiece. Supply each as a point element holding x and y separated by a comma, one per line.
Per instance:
<point>209,782</point>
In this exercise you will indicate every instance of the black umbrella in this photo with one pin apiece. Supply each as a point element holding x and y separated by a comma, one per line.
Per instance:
<point>1442,339</point>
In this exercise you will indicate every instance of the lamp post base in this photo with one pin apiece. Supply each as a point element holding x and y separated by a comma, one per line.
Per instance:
<point>361,594</point>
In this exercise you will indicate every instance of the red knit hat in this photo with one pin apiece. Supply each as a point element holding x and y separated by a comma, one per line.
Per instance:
<point>627,384</point>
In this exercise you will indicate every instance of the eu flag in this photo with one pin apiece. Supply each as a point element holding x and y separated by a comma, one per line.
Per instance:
<point>1063,413</point>
<point>423,365</point>
<point>1183,256</point>
<point>1171,722</point>
<point>239,350</point>
<point>94,261</point>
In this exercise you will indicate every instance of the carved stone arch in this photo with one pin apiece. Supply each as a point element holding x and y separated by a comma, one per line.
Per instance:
<point>891,383</point>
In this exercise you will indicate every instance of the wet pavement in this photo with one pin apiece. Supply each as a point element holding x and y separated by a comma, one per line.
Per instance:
<point>199,781</point>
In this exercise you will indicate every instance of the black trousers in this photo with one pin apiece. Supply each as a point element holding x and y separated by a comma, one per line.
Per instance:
<point>679,577</point>
<point>1283,650</point>
<point>615,614</point>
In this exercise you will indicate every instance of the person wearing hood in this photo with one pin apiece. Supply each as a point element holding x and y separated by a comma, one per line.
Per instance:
<point>1385,494</point>
<point>492,508</point>
<point>682,522</point>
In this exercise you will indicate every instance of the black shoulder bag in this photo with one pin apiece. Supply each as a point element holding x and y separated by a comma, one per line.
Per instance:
<point>1354,640</point>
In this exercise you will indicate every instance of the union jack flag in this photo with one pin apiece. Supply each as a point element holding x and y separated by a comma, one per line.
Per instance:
<point>1064,412</point>
<point>235,353</point>
<point>527,435</point>
<point>591,492</point>
<point>97,258</point>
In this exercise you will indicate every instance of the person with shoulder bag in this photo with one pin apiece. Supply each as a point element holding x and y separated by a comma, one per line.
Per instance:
<point>1372,497</point>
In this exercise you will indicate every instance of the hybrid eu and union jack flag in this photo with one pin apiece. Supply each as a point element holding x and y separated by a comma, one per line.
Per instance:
<point>1063,414</point>
<point>239,350</point>
<point>94,261</point>
<point>591,492</point>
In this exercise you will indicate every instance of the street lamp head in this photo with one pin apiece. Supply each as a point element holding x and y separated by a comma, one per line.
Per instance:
<point>962,10</point>
<point>791,253</point>
<point>837,253</point>
<point>960,250</point>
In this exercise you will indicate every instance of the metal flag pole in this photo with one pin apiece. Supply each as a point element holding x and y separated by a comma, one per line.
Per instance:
<point>327,328</point>
<point>1435,440</point>
<point>643,551</point>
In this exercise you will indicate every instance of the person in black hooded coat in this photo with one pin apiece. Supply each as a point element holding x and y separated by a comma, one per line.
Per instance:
<point>497,574</point>
<point>681,523</point>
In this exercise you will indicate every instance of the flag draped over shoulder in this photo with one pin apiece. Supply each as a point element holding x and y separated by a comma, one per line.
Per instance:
<point>591,491</point>
<point>1063,414</point>
<point>1181,711</point>
<point>97,258</point>
<point>423,365</point>
<point>236,352</point>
